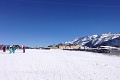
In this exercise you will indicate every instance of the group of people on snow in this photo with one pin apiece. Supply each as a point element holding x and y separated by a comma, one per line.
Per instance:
<point>12,49</point>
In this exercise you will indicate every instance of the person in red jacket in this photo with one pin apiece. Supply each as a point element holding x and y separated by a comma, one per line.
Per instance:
<point>23,47</point>
<point>4,48</point>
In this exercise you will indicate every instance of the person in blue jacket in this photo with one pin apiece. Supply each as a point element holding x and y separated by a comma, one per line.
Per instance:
<point>13,49</point>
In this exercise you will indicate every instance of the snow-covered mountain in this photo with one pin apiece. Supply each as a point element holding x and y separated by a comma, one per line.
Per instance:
<point>111,39</point>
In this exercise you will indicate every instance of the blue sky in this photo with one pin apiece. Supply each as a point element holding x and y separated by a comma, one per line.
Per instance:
<point>46,22</point>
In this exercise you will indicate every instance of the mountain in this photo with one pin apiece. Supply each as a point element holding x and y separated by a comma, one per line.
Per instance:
<point>108,39</point>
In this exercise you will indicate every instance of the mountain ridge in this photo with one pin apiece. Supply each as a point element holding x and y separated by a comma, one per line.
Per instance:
<point>108,39</point>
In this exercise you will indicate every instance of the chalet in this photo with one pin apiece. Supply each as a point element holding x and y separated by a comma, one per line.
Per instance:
<point>69,47</point>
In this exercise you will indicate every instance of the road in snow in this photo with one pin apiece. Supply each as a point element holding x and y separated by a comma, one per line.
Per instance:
<point>58,65</point>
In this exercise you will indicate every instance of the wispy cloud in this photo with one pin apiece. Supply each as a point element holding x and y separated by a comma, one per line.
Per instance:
<point>72,4</point>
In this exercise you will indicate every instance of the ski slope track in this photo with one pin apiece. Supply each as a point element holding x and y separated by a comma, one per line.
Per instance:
<point>58,65</point>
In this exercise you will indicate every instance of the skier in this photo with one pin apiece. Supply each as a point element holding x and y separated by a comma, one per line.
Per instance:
<point>11,50</point>
<point>23,47</point>
<point>4,48</point>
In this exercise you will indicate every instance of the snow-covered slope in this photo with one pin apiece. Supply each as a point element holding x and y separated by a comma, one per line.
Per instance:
<point>58,65</point>
<point>113,42</point>
<point>93,40</point>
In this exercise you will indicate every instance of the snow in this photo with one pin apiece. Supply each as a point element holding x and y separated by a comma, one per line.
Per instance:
<point>58,65</point>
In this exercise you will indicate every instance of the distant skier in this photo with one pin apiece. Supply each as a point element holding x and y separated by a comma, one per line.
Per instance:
<point>11,50</point>
<point>23,47</point>
<point>4,48</point>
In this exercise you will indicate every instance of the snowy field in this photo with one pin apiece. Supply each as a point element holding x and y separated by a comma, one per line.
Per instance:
<point>58,65</point>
